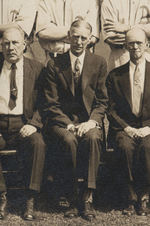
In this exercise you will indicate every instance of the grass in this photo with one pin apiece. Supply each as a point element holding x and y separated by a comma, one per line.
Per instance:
<point>109,202</point>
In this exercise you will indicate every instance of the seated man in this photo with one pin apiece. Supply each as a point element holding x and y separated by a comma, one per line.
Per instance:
<point>129,116</point>
<point>20,122</point>
<point>74,106</point>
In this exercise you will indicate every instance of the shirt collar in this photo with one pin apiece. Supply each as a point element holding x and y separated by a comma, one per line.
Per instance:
<point>18,64</point>
<point>73,58</point>
<point>141,64</point>
<point>7,65</point>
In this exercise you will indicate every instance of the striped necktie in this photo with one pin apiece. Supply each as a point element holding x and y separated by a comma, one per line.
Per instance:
<point>13,87</point>
<point>77,70</point>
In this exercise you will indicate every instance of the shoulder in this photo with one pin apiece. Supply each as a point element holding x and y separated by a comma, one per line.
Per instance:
<point>95,59</point>
<point>119,71</point>
<point>33,64</point>
<point>33,68</point>
<point>59,63</point>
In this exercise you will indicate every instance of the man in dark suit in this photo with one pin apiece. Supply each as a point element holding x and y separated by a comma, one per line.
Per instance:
<point>20,121</point>
<point>74,106</point>
<point>129,116</point>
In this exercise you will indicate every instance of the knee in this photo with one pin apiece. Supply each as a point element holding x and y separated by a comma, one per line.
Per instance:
<point>36,140</point>
<point>125,146</point>
<point>93,136</point>
<point>69,139</point>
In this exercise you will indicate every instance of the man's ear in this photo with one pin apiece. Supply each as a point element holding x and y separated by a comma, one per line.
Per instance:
<point>89,40</point>
<point>25,46</point>
<point>147,45</point>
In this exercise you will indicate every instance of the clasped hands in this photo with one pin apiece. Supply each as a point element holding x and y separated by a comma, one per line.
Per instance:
<point>82,128</point>
<point>137,133</point>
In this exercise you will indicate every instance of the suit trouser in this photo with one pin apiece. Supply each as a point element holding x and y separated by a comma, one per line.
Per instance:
<point>135,159</point>
<point>88,148</point>
<point>30,150</point>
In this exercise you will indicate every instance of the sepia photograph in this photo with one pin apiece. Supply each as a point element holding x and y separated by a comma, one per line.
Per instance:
<point>74,112</point>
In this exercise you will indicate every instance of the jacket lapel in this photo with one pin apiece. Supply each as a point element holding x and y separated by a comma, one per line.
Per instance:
<point>125,83</point>
<point>67,71</point>
<point>27,82</point>
<point>146,84</point>
<point>87,71</point>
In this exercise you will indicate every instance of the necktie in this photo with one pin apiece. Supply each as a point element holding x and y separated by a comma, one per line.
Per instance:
<point>137,92</point>
<point>13,87</point>
<point>77,70</point>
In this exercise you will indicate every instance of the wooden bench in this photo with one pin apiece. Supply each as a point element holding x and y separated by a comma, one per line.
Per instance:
<point>11,169</point>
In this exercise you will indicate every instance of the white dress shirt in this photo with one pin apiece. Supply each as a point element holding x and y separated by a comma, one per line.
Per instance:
<point>5,89</point>
<point>73,60</point>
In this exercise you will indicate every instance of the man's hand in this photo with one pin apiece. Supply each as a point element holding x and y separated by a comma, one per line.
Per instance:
<point>84,127</point>
<point>132,132</point>
<point>27,130</point>
<point>143,132</point>
<point>93,40</point>
<point>71,128</point>
<point>110,26</point>
<point>116,39</point>
<point>19,18</point>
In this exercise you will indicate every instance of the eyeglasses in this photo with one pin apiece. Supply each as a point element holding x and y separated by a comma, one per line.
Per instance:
<point>132,44</point>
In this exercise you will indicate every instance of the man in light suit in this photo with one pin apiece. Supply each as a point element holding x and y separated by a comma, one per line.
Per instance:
<point>74,106</point>
<point>129,116</point>
<point>20,121</point>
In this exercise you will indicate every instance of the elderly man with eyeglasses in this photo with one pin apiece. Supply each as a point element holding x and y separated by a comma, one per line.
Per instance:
<point>129,116</point>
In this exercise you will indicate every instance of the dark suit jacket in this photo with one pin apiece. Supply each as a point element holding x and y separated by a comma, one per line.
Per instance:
<point>31,72</point>
<point>119,92</point>
<point>58,89</point>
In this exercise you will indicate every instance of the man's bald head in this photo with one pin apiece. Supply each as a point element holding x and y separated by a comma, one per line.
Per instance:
<point>136,43</point>
<point>136,33</point>
<point>14,30</point>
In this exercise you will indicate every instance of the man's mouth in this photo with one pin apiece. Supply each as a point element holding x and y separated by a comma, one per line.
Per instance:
<point>11,54</point>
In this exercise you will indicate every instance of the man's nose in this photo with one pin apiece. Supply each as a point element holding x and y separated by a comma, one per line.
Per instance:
<point>79,41</point>
<point>135,45</point>
<point>11,46</point>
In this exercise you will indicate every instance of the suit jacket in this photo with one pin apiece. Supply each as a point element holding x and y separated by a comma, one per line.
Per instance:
<point>58,89</point>
<point>119,92</point>
<point>31,72</point>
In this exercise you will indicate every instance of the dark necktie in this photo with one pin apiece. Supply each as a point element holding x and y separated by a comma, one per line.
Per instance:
<point>13,87</point>
<point>77,71</point>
